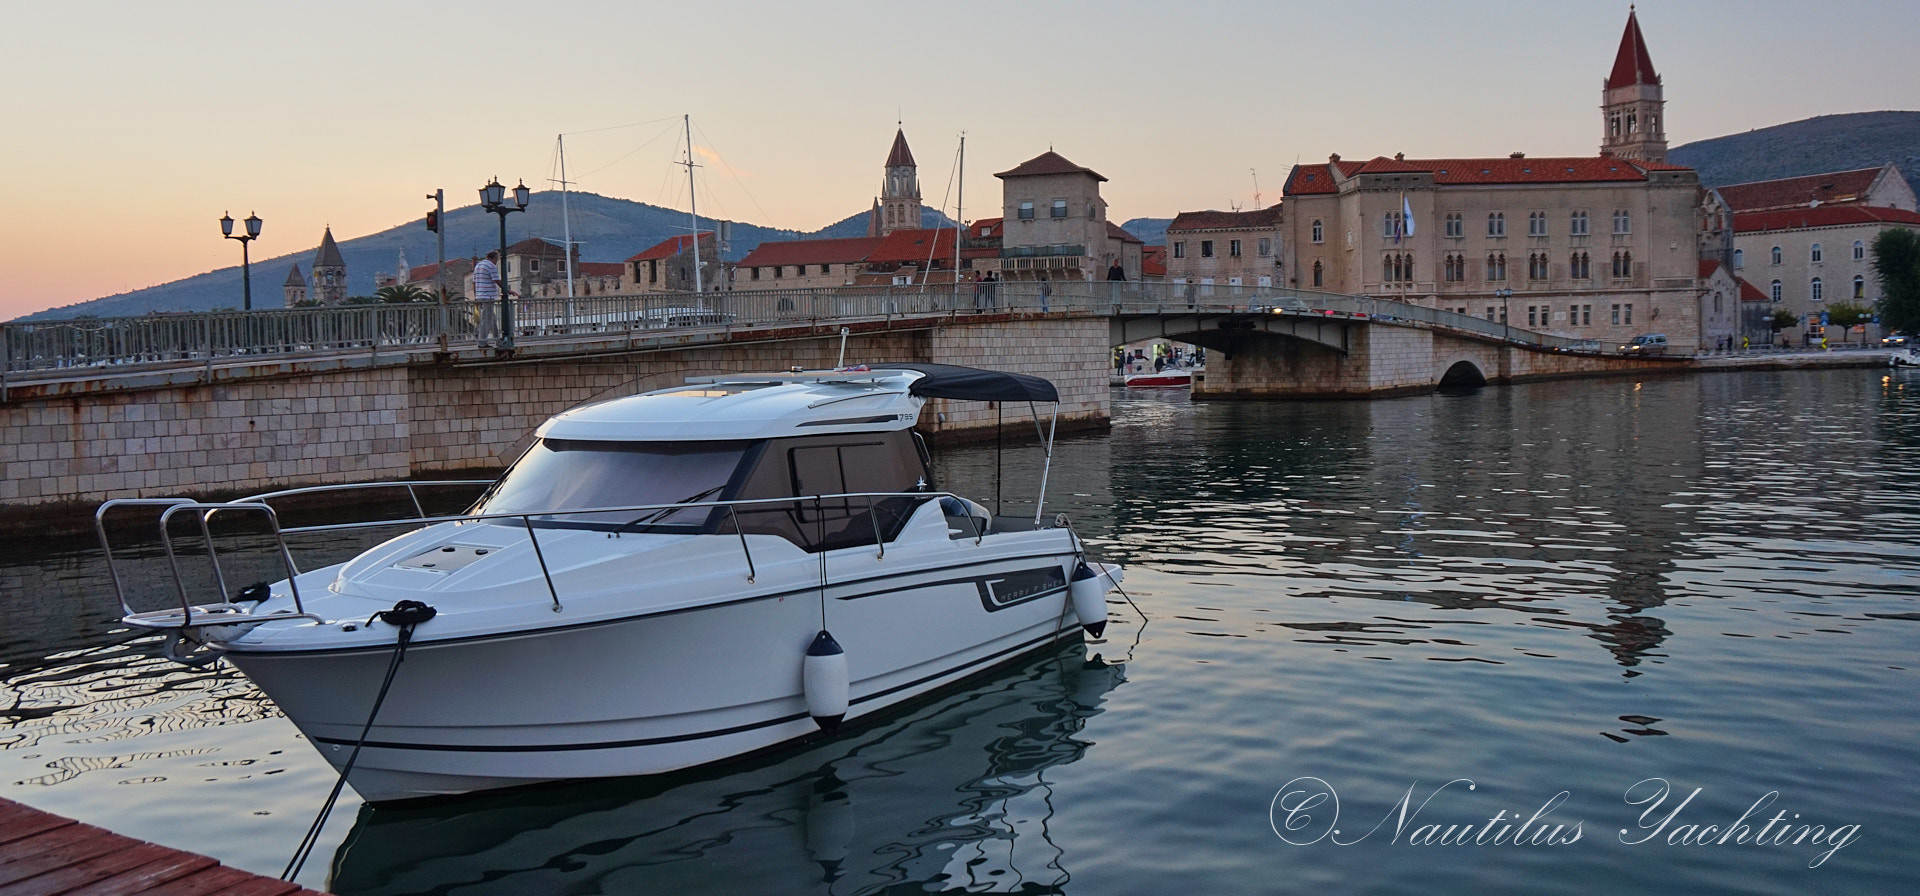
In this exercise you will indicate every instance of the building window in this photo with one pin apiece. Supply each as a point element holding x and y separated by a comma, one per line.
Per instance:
<point>1059,208</point>
<point>826,269</point>
<point>1816,294</point>
<point>1233,248</point>
<point>1537,224</point>
<point>1586,315</point>
<point>1454,268</point>
<point>776,271</point>
<point>1497,224</point>
<point>1859,287</point>
<point>1774,292</point>
<point>1206,248</point>
<point>1622,265</point>
<point>1266,247</point>
<point>1455,226</point>
<point>1622,221</point>
<point>1180,249</point>
<point>1319,233</point>
<point>1616,314</point>
<point>1532,313</point>
<point>1815,255</point>
<point>1776,255</point>
<point>1739,259</point>
<point>1537,266</point>
<point>1026,210</point>
<point>1497,266</point>
<point>1578,224</point>
<point>1859,250</point>
<point>1316,264</point>
<point>1627,314</point>
<point>1579,266</point>
<point>756,273</point>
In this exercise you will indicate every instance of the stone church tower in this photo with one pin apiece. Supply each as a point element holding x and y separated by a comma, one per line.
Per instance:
<point>295,287</point>
<point>329,272</point>
<point>1631,103</point>
<point>898,207</point>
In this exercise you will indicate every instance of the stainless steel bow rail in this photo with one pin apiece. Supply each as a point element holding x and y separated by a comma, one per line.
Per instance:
<point>226,611</point>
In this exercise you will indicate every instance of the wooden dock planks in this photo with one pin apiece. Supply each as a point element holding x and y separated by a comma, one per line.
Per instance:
<point>42,854</point>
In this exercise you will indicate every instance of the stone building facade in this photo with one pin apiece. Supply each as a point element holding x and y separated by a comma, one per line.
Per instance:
<point>1229,248</point>
<point>329,272</point>
<point>1055,221</point>
<point>667,266</point>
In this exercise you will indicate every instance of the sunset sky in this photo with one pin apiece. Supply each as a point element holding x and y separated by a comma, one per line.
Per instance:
<point>132,127</point>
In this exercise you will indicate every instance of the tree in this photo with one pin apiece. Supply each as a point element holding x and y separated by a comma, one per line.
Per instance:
<point>403,293</point>
<point>1847,315</point>
<point>1783,319</point>
<point>1896,259</point>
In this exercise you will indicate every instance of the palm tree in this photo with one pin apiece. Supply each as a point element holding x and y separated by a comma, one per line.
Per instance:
<point>400,294</point>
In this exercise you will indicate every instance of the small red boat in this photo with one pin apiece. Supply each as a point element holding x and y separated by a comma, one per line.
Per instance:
<point>1170,378</point>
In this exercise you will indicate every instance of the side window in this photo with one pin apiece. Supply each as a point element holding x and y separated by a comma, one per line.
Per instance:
<point>798,468</point>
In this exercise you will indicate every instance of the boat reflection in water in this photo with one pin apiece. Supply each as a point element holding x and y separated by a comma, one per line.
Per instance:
<point>951,794</point>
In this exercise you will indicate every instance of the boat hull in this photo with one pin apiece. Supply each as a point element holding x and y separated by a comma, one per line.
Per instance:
<point>662,692</point>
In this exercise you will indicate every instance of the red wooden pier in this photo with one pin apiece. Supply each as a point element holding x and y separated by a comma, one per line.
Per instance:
<point>42,853</point>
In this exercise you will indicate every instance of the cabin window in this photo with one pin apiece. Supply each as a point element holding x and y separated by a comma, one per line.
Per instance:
<point>559,475</point>
<point>833,465</point>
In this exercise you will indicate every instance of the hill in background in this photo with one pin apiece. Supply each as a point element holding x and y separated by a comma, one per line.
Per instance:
<point>607,230</point>
<point>1812,146</point>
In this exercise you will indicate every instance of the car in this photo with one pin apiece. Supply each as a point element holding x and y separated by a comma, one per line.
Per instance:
<point>1894,340</point>
<point>1646,344</point>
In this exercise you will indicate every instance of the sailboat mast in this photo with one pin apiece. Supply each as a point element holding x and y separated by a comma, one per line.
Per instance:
<point>693,208</point>
<point>566,221</point>
<point>960,211</point>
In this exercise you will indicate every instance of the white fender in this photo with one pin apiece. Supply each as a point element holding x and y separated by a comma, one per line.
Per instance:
<point>823,678</point>
<point>1088,590</point>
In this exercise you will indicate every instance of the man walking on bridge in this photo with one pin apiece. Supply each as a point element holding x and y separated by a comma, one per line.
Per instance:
<point>486,294</point>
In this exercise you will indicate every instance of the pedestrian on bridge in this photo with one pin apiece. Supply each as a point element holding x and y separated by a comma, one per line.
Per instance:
<point>1046,292</point>
<point>486,294</point>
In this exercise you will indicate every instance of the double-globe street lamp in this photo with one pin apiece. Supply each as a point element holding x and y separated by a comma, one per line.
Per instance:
<point>246,264</point>
<point>493,199</point>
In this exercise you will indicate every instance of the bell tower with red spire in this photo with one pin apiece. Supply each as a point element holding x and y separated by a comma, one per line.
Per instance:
<point>1631,103</point>
<point>899,205</point>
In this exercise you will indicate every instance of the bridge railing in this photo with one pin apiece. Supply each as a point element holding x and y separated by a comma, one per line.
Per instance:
<point>94,345</point>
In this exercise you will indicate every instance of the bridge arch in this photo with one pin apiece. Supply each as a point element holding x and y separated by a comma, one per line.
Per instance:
<point>1462,374</point>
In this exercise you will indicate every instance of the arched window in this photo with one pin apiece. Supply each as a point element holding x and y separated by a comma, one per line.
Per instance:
<point>1859,287</point>
<point>1816,293</point>
<point>1386,269</point>
<point>1319,236</point>
<point>1776,255</point>
<point>1631,126</point>
<point>1815,255</point>
<point>1497,224</point>
<point>1577,226</point>
<point>1316,265</point>
<point>1859,250</point>
<point>1739,259</point>
<point>1774,292</point>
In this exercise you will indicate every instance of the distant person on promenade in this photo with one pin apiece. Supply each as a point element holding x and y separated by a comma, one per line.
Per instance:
<point>1046,292</point>
<point>486,294</point>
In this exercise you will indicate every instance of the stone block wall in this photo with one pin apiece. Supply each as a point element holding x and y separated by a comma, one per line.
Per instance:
<point>1072,352</point>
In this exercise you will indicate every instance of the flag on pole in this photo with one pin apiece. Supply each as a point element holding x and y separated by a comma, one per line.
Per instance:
<point>1406,214</point>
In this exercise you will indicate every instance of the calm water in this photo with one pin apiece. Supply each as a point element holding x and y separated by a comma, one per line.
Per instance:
<point>1555,588</point>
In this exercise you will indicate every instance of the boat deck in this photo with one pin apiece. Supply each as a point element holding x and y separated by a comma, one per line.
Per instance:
<point>42,853</point>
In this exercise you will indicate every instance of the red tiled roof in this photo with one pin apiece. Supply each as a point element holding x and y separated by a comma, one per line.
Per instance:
<point>914,246</point>
<point>988,228</point>
<point>669,247</point>
<point>457,269</point>
<point>900,154</point>
<point>1115,231</point>
<point>1579,169</point>
<point>1632,65</point>
<point>1384,165</point>
<point>832,251</point>
<point>1750,292</point>
<point>536,247</point>
<point>982,252</point>
<point>1823,216</point>
<point>599,269</point>
<point>1153,261</point>
<point>1214,220</point>
<point>1791,192</point>
<point>1707,267</point>
<point>1048,162</point>
<point>1309,180</point>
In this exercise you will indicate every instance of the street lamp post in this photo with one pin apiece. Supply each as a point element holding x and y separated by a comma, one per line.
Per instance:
<point>246,264</point>
<point>1504,295</point>
<point>493,199</point>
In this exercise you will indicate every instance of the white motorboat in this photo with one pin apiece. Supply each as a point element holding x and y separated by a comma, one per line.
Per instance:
<point>661,581</point>
<point>1171,377</point>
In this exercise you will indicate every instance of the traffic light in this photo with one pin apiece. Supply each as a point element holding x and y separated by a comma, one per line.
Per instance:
<point>433,220</point>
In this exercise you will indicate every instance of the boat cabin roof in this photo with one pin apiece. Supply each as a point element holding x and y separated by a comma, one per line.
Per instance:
<point>792,403</point>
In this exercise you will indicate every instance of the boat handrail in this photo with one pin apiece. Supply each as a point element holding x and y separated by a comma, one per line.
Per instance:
<point>525,519</point>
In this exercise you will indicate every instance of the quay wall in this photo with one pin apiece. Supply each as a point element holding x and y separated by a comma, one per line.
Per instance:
<point>280,428</point>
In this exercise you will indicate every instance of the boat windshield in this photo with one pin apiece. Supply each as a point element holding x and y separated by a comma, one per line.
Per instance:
<point>572,474</point>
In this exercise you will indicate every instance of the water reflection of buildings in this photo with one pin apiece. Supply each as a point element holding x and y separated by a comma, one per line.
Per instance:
<point>951,796</point>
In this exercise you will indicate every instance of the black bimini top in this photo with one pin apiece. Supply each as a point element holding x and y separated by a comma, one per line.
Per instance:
<point>975,384</point>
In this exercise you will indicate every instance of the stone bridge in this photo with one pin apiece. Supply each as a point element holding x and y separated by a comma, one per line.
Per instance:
<point>228,403</point>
